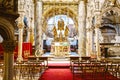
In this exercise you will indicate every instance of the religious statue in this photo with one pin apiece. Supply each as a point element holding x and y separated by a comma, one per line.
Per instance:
<point>66,31</point>
<point>60,24</point>
<point>59,33</point>
<point>54,32</point>
<point>60,46</point>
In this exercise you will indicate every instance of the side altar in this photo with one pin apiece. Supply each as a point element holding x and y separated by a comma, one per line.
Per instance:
<point>60,46</point>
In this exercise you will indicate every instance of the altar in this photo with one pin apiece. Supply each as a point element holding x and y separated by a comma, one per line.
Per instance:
<point>60,46</point>
<point>60,49</point>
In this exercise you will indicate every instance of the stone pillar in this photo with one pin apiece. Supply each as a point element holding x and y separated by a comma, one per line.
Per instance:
<point>8,59</point>
<point>38,40</point>
<point>20,40</point>
<point>88,42</point>
<point>82,29</point>
<point>97,25</point>
<point>97,43</point>
<point>28,32</point>
<point>91,41</point>
<point>88,35</point>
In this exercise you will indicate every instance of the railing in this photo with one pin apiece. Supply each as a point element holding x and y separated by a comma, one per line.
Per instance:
<point>94,68</point>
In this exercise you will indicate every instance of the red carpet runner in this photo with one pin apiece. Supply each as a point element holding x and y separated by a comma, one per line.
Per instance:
<point>56,72</point>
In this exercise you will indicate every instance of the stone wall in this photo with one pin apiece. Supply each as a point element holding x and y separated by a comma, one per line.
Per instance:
<point>114,51</point>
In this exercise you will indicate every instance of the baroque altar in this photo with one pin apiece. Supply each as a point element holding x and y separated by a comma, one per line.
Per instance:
<point>60,46</point>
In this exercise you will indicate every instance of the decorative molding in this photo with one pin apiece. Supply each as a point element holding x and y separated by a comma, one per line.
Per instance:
<point>51,10</point>
<point>9,45</point>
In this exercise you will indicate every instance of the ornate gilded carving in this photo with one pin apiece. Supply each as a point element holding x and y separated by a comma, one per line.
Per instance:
<point>8,4</point>
<point>51,9</point>
<point>112,2</point>
<point>60,24</point>
<point>58,33</point>
<point>66,32</point>
<point>20,22</point>
<point>55,32</point>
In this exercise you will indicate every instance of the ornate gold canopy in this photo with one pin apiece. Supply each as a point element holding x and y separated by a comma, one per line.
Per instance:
<point>52,9</point>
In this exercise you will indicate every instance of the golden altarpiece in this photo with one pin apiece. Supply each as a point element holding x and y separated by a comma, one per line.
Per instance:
<point>60,46</point>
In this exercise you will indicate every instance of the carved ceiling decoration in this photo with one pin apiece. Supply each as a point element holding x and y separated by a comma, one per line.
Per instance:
<point>49,11</point>
<point>112,17</point>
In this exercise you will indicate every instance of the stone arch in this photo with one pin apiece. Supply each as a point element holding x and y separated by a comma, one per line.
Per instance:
<point>6,29</point>
<point>52,11</point>
<point>104,11</point>
<point>116,9</point>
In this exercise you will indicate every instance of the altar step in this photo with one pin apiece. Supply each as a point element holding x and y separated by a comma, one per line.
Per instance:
<point>59,59</point>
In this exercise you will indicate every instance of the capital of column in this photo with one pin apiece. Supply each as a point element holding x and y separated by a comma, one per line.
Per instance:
<point>97,26</point>
<point>9,45</point>
<point>89,29</point>
<point>20,23</point>
<point>35,1</point>
<point>85,1</point>
<point>39,0</point>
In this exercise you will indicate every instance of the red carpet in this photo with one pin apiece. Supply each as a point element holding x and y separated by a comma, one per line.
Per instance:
<point>58,65</point>
<point>58,74</point>
<point>62,72</point>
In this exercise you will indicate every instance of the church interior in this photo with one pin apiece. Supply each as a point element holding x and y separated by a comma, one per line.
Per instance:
<point>59,39</point>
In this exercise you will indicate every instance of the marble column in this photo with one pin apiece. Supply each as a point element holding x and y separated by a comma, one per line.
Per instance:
<point>38,39</point>
<point>8,59</point>
<point>88,42</point>
<point>91,41</point>
<point>97,43</point>
<point>97,25</point>
<point>20,40</point>
<point>82,28</point>
<point>28,32</point>
<point>88,36</point>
